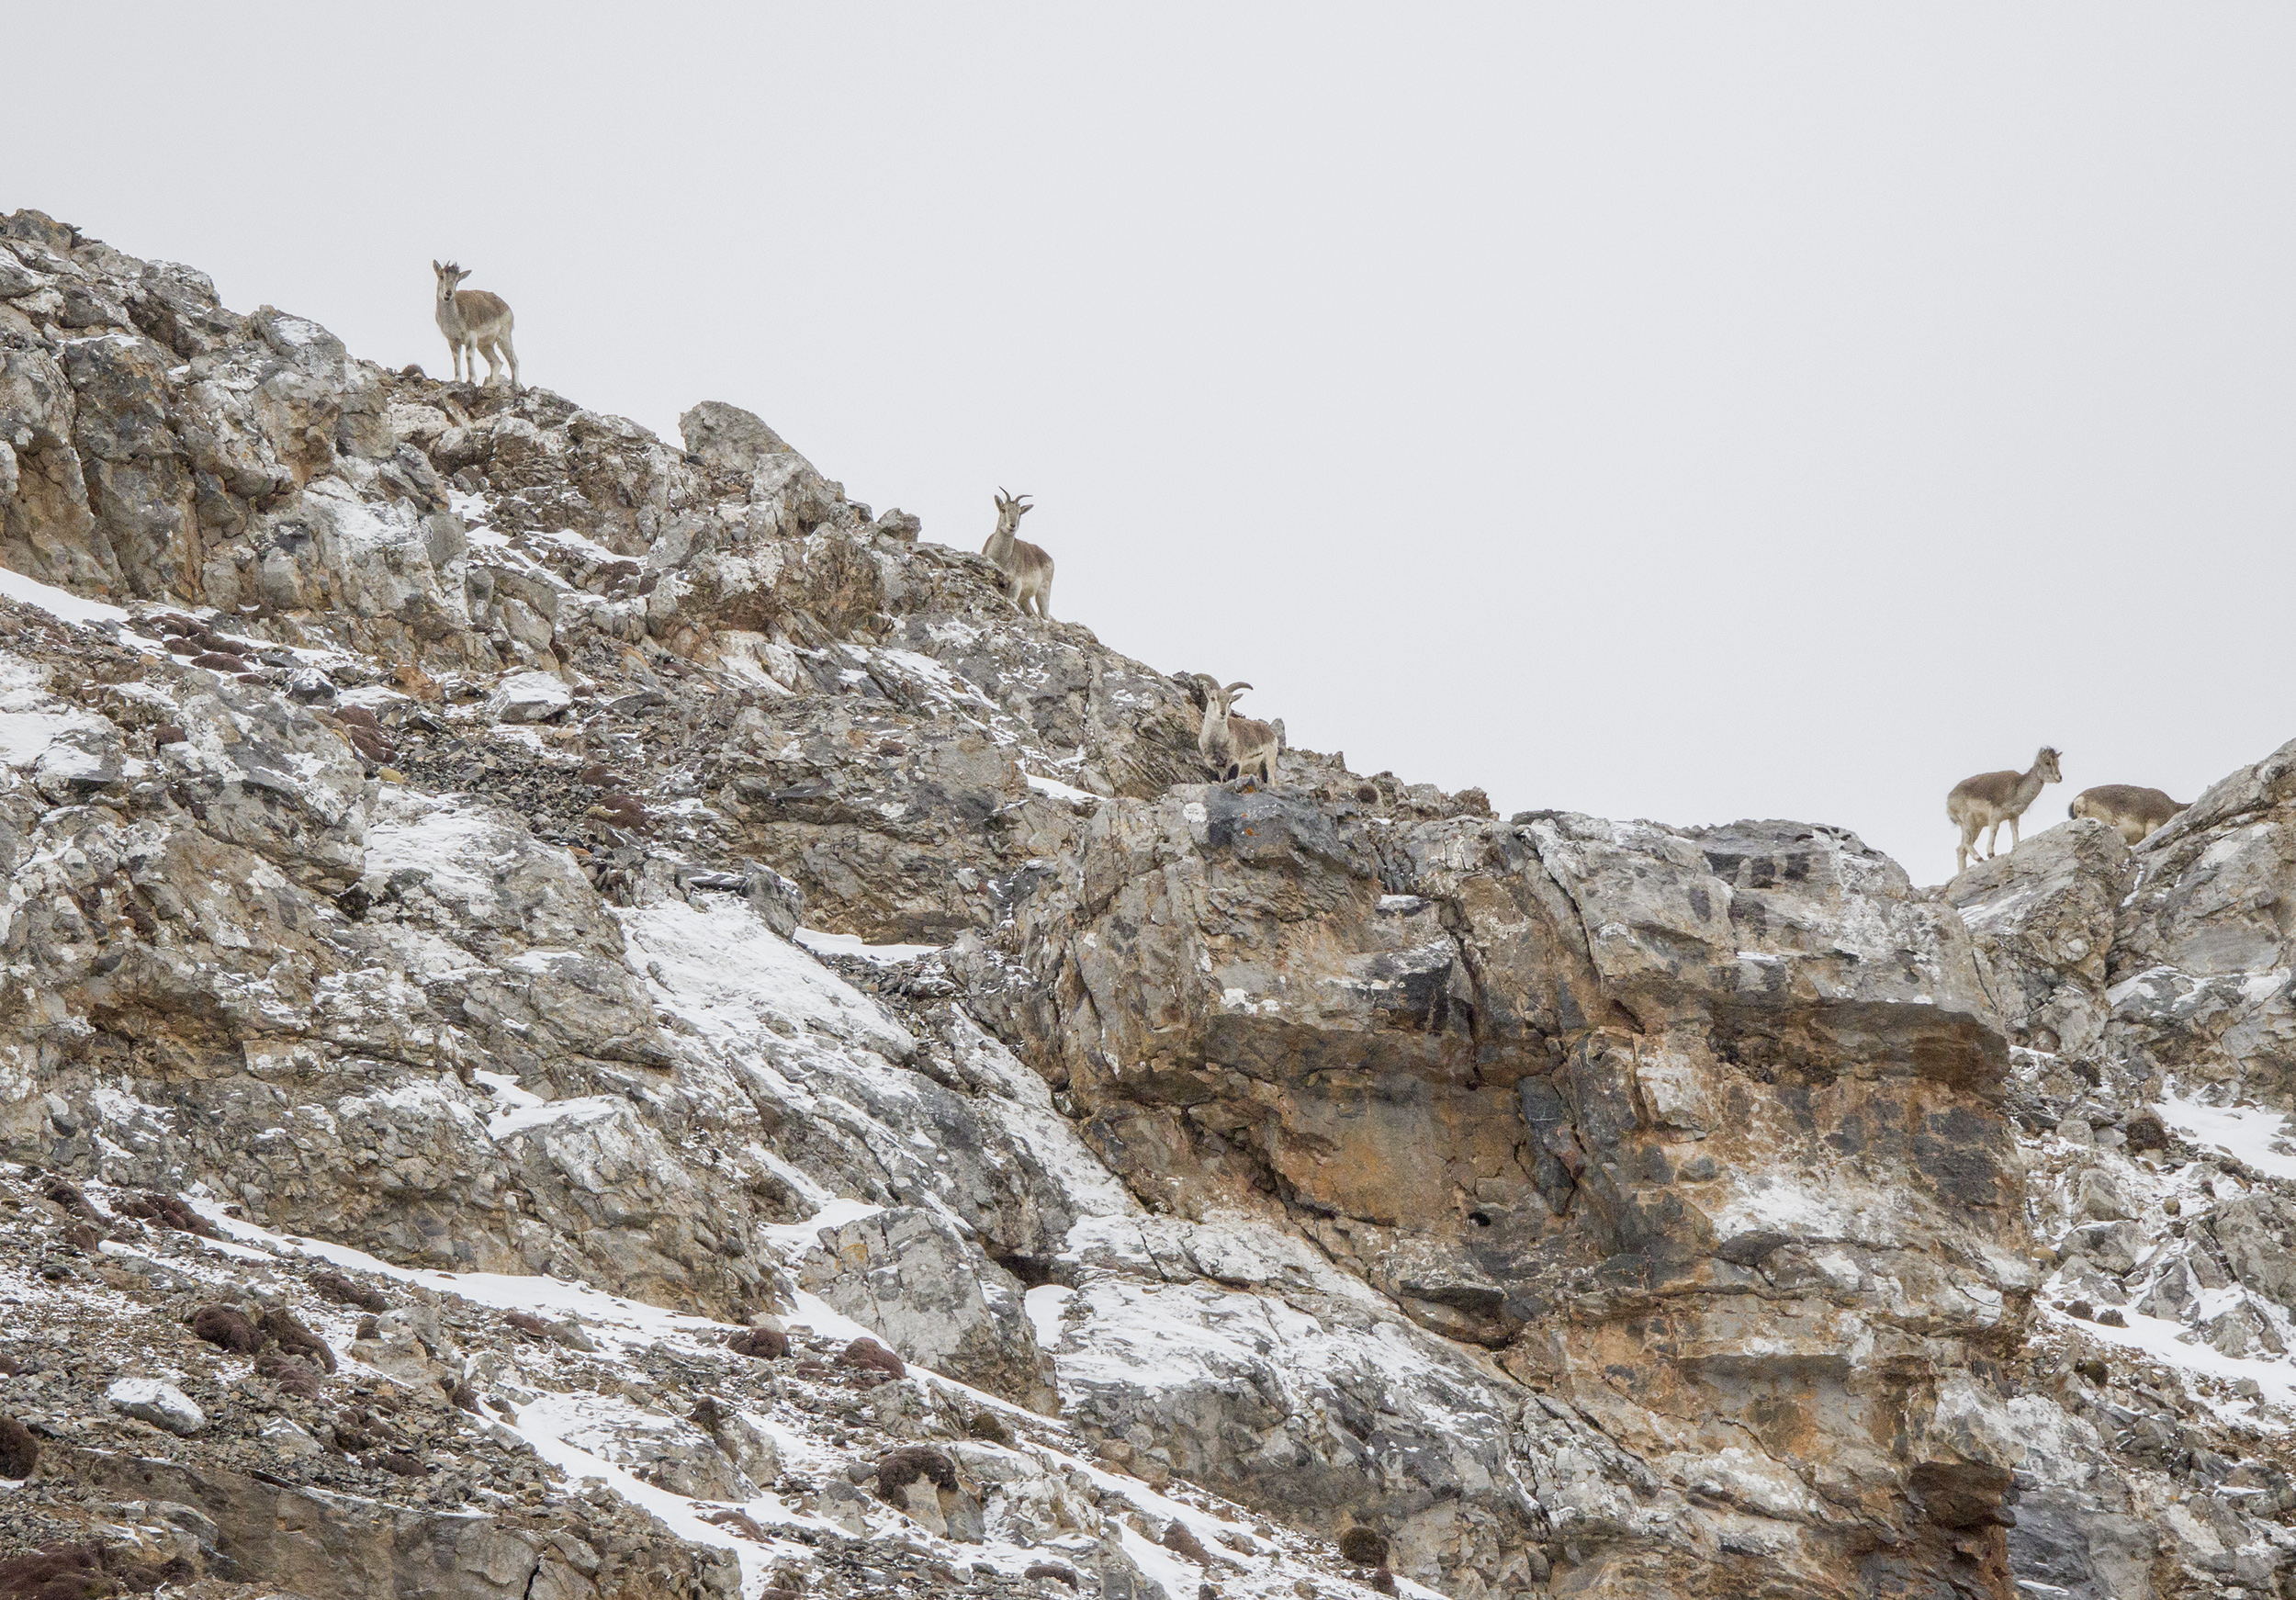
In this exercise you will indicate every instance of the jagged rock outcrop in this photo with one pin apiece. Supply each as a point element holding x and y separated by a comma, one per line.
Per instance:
<point>2144,983</point>
<point>2043,918</point>
<point>2203,951</point>
<point>444,823</point>
<point>1711,1108</point>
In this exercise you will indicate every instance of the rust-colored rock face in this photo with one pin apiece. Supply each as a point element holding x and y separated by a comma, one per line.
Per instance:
<point>1700,1129</point>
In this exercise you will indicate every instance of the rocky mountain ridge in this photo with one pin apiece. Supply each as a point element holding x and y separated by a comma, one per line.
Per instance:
<point>466,850</point>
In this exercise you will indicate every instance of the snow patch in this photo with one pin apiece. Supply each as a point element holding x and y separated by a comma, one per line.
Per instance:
<point>2171,1345</point>
<point>548,1422</point>
<point>2248,1133</point>
<point>26,736</point>
<point>795,1238</point>
<point>440,841</point>
<point>822,942</point>
<point>61,603</point>
<point>724,971</point>
<point>1045,1303</point>
<point>1060,791</point>
<point>582,1109</point>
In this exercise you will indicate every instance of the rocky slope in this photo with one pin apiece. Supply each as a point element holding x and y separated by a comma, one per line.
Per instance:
<point>580,945</point>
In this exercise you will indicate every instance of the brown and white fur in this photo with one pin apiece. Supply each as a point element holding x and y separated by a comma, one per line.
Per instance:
<point>2129,809</point>
<point>1028,569</point>
<point>1980,805</point>
<point>474,321</point>
<point>1236,746</point>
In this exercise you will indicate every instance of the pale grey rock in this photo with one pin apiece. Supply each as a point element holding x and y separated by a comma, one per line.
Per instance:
<point>16,278</point>
<point>2043,918</point>
<point>910,1275</point>
<point>898,524</point>
<point>407,1344</point>
<point>282,1434</point>
<point>786,494</point>
<point>159,1404</point>
<point>752,1450</point>
<point>366,1549</point>
<point>78,762</point>
<point>268,779</point>
<point>671,1454</point>
<point>725,435</point>
<point>2202,961</point>
<point>1328,1403</point>
<point>529,697</point>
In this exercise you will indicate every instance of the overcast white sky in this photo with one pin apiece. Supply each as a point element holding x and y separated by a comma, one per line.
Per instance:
<point>1679,410</point>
